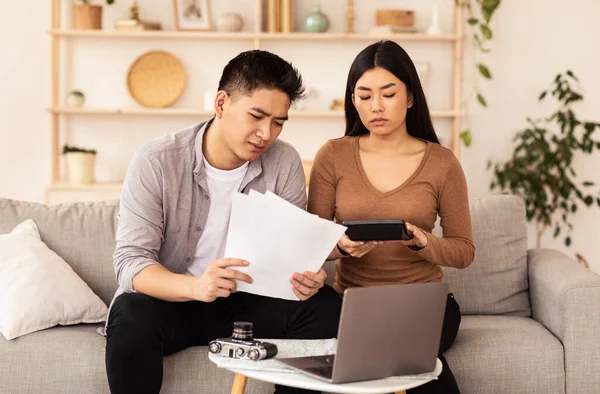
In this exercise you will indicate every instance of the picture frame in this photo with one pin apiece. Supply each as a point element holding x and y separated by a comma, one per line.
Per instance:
<point>192,15</point>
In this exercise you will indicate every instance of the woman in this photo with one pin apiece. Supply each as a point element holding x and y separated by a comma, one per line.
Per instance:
<point>390,165</point>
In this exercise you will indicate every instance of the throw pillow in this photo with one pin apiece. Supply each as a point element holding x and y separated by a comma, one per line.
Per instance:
<point>38,289</point>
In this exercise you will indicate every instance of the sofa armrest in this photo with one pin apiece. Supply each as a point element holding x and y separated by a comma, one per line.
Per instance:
<point>565,298</point>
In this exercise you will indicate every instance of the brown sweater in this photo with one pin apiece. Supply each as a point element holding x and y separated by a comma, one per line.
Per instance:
<point>340,190</point>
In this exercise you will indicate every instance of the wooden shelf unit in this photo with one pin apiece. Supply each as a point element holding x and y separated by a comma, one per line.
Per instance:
<point>198,112</point>
<point>99,191</point>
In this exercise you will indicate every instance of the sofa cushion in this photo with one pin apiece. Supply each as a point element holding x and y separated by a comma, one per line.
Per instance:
<point>496,282</point>
<point>506,354</point>
<point>70,360</point>
<point>83,234</point>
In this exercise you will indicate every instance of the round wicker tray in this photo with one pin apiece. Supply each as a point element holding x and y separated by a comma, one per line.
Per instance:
<point>156,79</point>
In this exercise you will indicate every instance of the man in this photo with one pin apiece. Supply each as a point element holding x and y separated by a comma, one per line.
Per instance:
<point>176,289</point>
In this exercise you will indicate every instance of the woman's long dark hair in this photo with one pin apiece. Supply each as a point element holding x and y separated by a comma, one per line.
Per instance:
<point>390,56</point>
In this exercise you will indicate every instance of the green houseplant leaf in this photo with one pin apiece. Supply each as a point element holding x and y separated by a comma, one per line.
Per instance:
<point>487,33</point>
<point>484,70</point>
<point>481,100</point>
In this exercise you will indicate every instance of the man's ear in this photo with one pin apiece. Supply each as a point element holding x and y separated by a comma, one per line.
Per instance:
<point>220,99</point>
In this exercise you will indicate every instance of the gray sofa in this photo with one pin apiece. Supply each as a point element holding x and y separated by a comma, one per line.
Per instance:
<point>531,317</point>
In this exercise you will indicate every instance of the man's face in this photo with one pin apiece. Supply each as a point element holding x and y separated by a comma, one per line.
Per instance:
<point>252,123</point>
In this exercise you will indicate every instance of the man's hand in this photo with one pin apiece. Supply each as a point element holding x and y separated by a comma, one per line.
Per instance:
<point>217,280</point>
<point>306,285</point>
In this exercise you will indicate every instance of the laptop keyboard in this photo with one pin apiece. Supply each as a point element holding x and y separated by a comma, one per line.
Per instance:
<point>326,372</point>
<point>323,366</point>
<point>326,360</point>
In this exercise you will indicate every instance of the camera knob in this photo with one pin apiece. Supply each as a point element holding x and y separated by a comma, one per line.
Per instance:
<point>214,347</point>
<point>253,354</point>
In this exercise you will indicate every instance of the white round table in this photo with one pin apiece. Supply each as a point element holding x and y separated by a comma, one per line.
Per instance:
<point>299,380</point>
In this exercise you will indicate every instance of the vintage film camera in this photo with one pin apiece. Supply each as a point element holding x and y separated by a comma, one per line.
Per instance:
<point>242,344</point>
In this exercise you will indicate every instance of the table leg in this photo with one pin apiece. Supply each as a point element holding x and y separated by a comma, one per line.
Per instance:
<point>239,384</point>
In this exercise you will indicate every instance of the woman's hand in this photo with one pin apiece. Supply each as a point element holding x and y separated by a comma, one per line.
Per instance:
<point>356,248</point>
<point>419,239</point>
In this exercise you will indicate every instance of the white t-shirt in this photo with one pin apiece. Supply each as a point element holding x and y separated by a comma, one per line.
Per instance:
<point>222,185</point>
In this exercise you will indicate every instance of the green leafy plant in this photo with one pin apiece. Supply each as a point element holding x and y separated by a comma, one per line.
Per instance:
<point>479,13</point>
<point>70,149</point>
<point>541,167</point>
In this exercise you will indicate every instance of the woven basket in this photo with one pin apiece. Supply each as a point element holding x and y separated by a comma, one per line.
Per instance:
<point>156,79</point>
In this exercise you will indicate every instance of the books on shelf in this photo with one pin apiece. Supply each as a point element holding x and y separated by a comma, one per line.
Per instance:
<point>279,16</point>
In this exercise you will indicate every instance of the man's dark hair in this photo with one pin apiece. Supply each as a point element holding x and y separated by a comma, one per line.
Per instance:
<point>256,69</point>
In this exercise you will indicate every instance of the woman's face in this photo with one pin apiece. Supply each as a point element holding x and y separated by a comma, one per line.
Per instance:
<point>381,100</point>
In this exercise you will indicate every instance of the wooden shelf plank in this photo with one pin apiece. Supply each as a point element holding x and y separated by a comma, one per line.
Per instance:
<point>132,111</point>
<point>150,34</point>
<point>198,112</point>
<point>173,34</point>
<point>100,186</point>
<point>357,36</point>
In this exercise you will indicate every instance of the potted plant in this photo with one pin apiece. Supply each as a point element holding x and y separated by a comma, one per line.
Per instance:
<point>80,164</point>
<point>541,168</point>
<point>87,16</point>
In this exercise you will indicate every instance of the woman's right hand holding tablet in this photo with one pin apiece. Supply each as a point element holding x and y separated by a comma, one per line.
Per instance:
<point>346,247</point>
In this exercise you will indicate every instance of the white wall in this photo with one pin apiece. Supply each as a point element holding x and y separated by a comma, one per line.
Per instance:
<point>534,40</point>
<point>24,93</point>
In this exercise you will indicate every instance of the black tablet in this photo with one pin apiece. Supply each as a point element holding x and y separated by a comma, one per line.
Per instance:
<point>377,230</point>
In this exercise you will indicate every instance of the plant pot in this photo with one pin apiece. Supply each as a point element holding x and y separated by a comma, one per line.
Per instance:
<point>80,167</point>
<point>87,17</point>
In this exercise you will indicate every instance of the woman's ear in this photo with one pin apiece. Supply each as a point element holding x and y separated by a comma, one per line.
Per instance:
<point>410,101</point>
<point>353,100</point>
<point>220,100</point>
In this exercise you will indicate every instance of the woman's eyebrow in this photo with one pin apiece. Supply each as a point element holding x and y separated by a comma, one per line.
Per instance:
<point>389,85</point>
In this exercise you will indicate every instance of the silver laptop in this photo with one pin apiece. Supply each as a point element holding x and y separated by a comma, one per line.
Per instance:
<point>390,330</point>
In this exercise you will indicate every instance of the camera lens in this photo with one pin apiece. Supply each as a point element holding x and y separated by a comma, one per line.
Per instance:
<point>214,347</point>
<point>253,354</point>
<point>242,330</point>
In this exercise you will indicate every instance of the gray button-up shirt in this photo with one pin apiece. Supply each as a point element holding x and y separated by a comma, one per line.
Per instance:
<point>165,201</point>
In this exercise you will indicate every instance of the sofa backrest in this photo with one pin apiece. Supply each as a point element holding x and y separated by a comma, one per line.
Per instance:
<point>497,280</point>
<point>83,234</point>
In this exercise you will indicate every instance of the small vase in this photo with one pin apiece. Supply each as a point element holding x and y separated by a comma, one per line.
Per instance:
<point>316,21</point>
<point>230,21</point>
<point>75,99</point>
<point>434,28</point>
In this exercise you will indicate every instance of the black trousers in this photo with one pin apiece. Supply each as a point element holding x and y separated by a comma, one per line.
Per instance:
<point>142,330</point>
<point>445,383</point>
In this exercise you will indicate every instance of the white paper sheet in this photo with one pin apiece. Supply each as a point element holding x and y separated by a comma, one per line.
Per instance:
<point>278,239</point>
